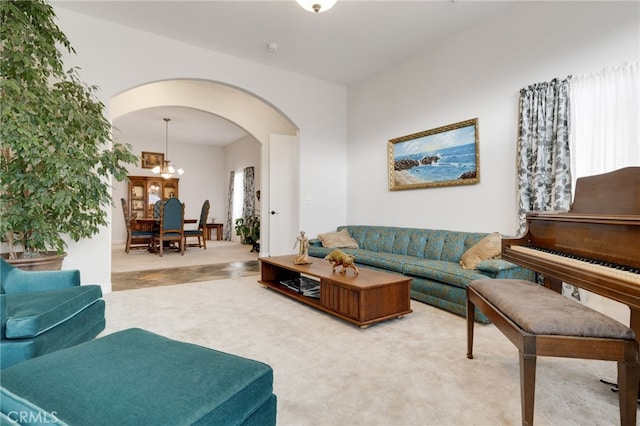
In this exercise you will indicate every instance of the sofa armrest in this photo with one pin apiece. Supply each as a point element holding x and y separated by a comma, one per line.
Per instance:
<point>502,269</point>
<point>315,242</point>
<point>495,266</point>
<point>20,281</point>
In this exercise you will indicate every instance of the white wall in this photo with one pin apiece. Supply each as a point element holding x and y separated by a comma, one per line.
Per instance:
<point>117,58</point>
<point>477,73</point>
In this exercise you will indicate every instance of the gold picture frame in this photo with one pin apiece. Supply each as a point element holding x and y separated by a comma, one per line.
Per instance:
<point>444,156</point>
<point>151,159</point>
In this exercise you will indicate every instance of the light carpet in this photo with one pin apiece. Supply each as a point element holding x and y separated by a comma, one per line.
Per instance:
<point>409,371</point>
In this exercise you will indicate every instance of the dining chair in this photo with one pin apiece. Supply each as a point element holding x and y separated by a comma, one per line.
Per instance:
<point>156,209</point>
<point>142,238</point>
<point>171,225</point>
<point>202,223</point>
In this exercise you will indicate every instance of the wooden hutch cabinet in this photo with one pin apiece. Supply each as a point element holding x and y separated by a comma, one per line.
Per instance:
<point>144,191</point>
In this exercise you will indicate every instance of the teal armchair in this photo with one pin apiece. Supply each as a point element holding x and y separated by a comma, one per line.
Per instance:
<point>44,311</point>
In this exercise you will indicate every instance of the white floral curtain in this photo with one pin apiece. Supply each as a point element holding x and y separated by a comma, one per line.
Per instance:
<point>543,156</point>
<point>248,206</point>
<point>248,199</point>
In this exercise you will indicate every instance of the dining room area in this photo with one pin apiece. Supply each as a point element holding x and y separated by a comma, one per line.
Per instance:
<point>141,269</point>
<point>210,152</point>
<point>163,246</point>
<point>155,218</point>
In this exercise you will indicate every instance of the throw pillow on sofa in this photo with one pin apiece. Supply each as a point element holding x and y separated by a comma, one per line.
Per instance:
<point>340,239</point>
<point>487,248</point>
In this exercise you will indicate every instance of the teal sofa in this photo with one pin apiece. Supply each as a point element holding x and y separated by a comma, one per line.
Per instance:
<point>430,257</point>
<point>135,377</point>
<point>45,311</point>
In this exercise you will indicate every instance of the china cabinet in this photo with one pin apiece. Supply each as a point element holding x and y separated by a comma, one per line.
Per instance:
<point>144,191</point>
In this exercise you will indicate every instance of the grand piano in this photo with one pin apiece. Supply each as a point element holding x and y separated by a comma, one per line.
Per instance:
<point>595,245</point>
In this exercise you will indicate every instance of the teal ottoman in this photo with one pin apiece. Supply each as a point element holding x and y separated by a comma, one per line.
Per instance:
<point>135,377</point>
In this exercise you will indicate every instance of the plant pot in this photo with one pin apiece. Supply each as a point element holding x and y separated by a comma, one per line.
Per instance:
<point>49,261</point>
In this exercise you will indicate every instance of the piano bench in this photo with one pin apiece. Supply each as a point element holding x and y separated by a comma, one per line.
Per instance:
<point>540,321</point>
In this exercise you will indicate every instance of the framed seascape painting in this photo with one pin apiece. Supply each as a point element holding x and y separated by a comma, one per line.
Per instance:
<point>445,156</point>
<point>152,159</point>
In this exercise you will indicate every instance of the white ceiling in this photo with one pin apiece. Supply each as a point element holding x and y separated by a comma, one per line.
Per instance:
<point>346,44</point>
<point>187,125</point>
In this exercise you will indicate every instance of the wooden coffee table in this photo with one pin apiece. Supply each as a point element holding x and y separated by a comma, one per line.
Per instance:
<point>363,299</point>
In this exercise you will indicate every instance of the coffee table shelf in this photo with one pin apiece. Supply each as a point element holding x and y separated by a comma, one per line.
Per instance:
<point>363,299</point>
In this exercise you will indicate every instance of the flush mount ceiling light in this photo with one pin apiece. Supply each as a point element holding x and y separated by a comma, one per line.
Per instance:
<point>166,170</point>
<point>316,5</point>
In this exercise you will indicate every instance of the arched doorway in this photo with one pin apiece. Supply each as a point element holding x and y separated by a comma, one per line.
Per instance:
<point>258,118</point>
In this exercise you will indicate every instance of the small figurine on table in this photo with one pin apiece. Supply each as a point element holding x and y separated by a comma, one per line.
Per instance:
<point>339,258</point>
<point>303,250</point>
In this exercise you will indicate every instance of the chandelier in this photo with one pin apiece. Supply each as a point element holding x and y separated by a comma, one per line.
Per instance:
<point>316,5</point>
<point>166,170</point>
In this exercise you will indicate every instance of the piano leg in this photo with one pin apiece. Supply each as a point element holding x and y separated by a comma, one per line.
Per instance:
<point>553,283</point>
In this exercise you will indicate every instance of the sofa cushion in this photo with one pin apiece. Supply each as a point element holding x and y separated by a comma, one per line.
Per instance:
<point>15,280</point>
<point>487,248</point>
<point>30,314</point>
<point>417,243</point>
<point>372,238</point>
<point>388,261</point>
<point>80,328</point>
<point>401,241</point>
<point>439,270</point>
<point>433,248</point>
<point>456,243</point>
<point>339,239</point>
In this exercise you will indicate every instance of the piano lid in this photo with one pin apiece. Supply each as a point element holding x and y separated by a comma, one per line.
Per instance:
<point>616,193</point>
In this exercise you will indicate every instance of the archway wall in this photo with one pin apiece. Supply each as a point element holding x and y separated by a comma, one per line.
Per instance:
<point>117,58</point>
<point>254,115</point>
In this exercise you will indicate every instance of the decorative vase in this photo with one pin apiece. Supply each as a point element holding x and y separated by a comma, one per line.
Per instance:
<point>49,261</point>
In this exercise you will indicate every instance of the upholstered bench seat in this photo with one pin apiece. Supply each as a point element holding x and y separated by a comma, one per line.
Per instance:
<point>137,377</point>
<point>547,312</point>
<point>541,322</point>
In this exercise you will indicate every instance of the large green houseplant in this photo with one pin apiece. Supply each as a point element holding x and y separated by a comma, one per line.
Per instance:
<point>57,159</point>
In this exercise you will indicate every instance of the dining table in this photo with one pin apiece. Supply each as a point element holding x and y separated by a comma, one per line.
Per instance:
<point>151,224</point>
<point>148,223</point>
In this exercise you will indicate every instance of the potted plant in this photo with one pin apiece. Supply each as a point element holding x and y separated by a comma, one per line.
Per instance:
<point>57,158</point>
<point>249,231</point>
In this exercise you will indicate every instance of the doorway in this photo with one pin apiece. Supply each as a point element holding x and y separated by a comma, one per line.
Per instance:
<point>257,117</point>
